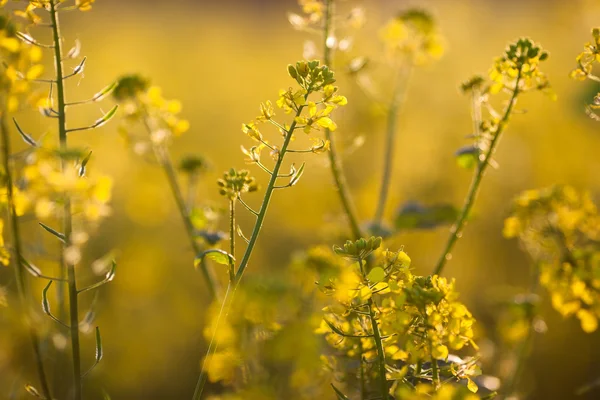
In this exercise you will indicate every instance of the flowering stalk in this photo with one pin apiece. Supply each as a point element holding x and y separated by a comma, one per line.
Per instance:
<point>335,162</point>
<point>482,165</point>
<point>22,287</point>
<point>67,222</point>
<point>237,276</point>
<point>312,79</point>
<point>164,159</point>
<point>517,72</point>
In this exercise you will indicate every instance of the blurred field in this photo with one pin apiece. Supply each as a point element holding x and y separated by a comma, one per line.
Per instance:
<point>221,59</point>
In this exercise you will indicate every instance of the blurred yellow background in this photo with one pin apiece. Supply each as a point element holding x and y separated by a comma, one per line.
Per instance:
<point>221,59</point>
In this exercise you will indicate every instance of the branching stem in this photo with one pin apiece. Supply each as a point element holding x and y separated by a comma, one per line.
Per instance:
<point>482,165</point>
<point>67,223</point>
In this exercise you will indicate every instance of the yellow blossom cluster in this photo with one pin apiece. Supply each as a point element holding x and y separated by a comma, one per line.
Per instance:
<point>311,103</point>
<point>519,65</point>
<point>419,318</point>
<point>46,187</point>
<point>145,104</point>
<point>585,66</point>
<point>413,34</point>
<point>21,65</point>
<point>559,227</point>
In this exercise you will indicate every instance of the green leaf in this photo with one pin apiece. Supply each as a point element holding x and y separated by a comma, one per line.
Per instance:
<point>59,235</point>
<point>106,117</point>
<point>339,394</point>
<point>376,275</point>
<point>45,302</point>
<point>297,175</point>
<point>27,138</point>
<point>33,391</point>
<point>417,216</point>
<point>84,163</point>
<point>99,351</point>
<point>105,92</point>
<point>217,255</point>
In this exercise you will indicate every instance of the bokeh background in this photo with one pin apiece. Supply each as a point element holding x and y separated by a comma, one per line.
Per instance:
<point>221,59</point>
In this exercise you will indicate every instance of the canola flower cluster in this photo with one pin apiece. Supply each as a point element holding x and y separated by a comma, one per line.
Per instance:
<point>315,94</point>
<point>419,318</point>
<point>145,104</point>
<point>559,227</point>
<point>413,34</point>
<point>585,65</point>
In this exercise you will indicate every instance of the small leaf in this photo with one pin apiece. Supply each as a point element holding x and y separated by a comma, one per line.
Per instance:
<point>106,117</point>
<point>339,394</point>
<point>84,163</point>
<point>217,255</point>
<point>376,275</point>
<point>27,138</point>
<point>59,235</point>
<point>105,92</point>
<point>99,351</point>
<point>472,386</point>
<point>33,391</point>
<point>467,157</point>
<point>45,303</point>
<point>296,177</point>
<point>417,216</point>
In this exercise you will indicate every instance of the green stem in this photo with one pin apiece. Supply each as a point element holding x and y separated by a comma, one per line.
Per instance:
<point>167,164</point>
<point>164,159</point>
<point>22,287</point>
<point>482,166</point>
<point>380,352</point>
<point>67,223</point>
<point>237,277</point>
<point>527,343</point>
<point>232,239</point>
<point>398,99</point>
<point>378,343</point>
<point>435,375</point>
<point>334,160</point>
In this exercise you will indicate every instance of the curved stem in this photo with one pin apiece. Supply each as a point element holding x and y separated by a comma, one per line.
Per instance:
<point>22,287</point>
<point>334,159</point>
<point>164,159</point>
<point>237,277</point>
<point>398,99</point>
<point>482,165</point>
<point>67,223</point>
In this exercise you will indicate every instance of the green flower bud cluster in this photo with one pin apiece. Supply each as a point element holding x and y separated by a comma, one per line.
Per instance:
<point>359,249</point>
<point>234,183</point>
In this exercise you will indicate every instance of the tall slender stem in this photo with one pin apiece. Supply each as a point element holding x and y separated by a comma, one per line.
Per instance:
<point>164,159</point>
<point>380,352</point>
<point>398,99</point>
<point>167,164</point>
<point>232,239</point>
<point>383,386</point>
<point>67,222</point>
<point>456,230</point>
<point>237,277</point>
<point>334,160</point>
<point>22,287</point>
